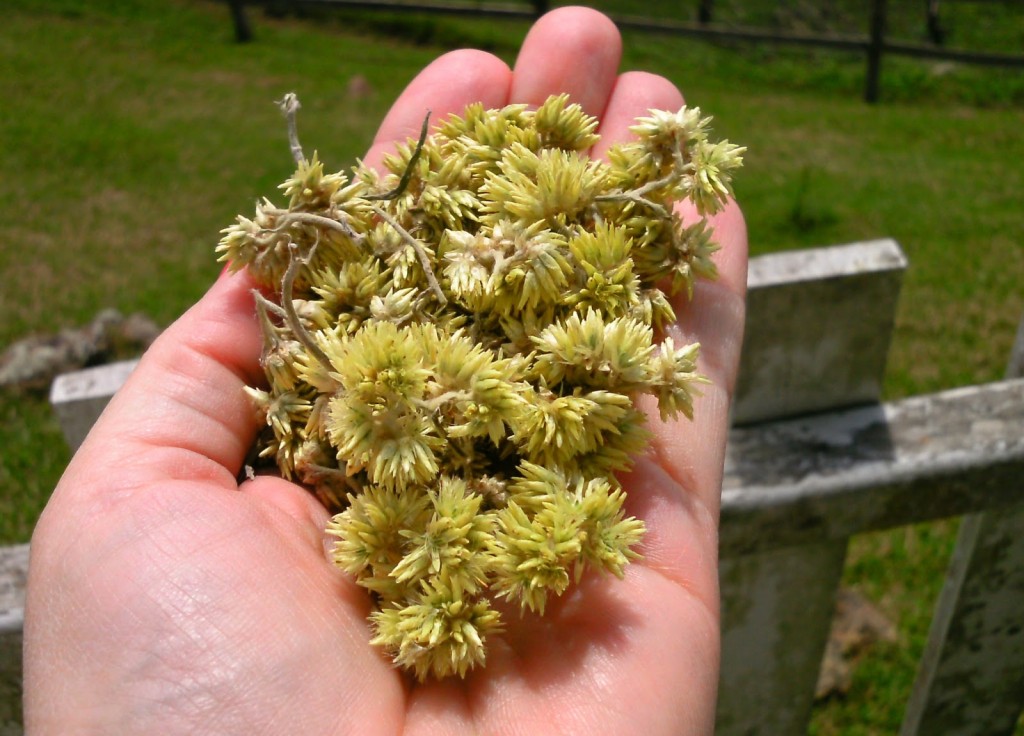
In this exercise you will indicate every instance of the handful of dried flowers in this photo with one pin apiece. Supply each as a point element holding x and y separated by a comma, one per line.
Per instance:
<point>455,348</point>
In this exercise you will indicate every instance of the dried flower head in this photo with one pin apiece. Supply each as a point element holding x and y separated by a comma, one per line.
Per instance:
<point>454,351</point>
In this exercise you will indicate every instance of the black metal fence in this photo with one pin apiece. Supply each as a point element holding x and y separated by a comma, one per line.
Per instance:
<point>874,43</point>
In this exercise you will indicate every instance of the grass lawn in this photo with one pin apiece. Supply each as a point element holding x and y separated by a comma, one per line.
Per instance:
<point>134,131</point>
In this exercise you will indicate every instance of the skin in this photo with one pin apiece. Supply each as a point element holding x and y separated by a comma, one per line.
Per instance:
<point>163,598</point>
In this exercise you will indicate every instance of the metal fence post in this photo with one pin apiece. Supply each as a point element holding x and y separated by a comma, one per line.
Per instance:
<point>243,31</point>
<point>876,45</point>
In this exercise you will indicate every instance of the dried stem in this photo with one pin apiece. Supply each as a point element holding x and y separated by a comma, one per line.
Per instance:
<point>421,254</point>
<point>407,174</point>
<point>312,219</point>
<point>640,195</point>
<point>291,316</point>
<point>289,105</point>
<point>263,306</point>
<point>437,402</point>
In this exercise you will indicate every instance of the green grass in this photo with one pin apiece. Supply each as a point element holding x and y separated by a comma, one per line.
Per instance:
<point>134,131</point>
<point>881,680</point>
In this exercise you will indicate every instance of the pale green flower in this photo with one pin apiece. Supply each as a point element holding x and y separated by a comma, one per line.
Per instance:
<point>534,557</point>
<point>563,125</point>
<point>596,352</point>
<point>606,280</point>
<point>452,546</point>
<point>453,349</point>
<point>372,533</point>
<point>675,378</point>
<point>309,189</point>
<point>439,634</point>
<point>554,187</point>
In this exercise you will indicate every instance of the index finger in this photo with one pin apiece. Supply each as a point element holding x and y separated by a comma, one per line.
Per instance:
<point>692,452</point>
<point>445,86</point>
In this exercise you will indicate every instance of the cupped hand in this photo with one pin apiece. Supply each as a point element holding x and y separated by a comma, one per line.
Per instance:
<point>164,598</point>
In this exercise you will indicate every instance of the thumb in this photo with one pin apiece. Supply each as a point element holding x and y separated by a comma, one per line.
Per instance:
<point>182,414</point>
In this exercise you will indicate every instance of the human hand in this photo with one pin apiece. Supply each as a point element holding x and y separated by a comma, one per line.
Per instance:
<point>164,598</point>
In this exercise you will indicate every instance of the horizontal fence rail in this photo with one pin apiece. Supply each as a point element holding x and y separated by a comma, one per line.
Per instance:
<point>834,475</point>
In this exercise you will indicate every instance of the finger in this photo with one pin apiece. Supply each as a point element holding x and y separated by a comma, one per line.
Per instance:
<point>182,414</point>
<point>571,50</point>
<point>717,309</point>
<point>634,95</point>
<point>694,451</point>
<point>446,86</point>
<point>675,489</point>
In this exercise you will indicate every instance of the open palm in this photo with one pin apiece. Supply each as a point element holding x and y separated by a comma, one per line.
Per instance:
<point>165,599</point>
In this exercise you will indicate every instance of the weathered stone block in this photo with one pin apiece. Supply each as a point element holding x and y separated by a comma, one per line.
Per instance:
<point>79,398</point>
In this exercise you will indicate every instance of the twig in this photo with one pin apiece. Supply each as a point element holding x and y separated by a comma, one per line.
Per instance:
<point>428,271</point>
<point>407,174</point>
<point>436,402</point>
<point>289,105</point>
<point>263,306</point>
<point>313,219</point>
<point>292,317</point>
<point>639,195</point>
